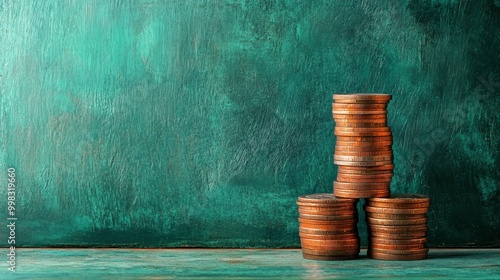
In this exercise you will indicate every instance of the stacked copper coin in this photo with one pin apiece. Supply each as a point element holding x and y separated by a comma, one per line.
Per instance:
<point>363,150</point>
<point>328,227</point>
<point>397,227</point>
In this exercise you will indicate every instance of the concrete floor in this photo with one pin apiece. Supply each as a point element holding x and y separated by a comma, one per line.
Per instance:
<point>242,264</point>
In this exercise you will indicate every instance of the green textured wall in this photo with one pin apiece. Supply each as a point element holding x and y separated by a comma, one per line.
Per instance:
<point>198,123</point>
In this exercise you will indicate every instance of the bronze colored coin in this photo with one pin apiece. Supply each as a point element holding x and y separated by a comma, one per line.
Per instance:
<point>366,169</point>
<point>394,216</point>
<point>364,139</point>
<point>363,158</point>
<point>331,252</point>
<point>315,223</point>
<point>351,194</point>
<point>360,124</point>
<point>362,149</point>
<point>348,213</point>
<point>365,106</point>
<point>363,117</point>
<point>344,206</point>
<point>328,232</point>
<point>368,119</point>
<point>321,209</point>
<point>397,228</point>
<point>362,98</point>
<point>389,222</point>
<point>328,236</point>
<point>363,154</point>
<point>405,198</point>
<point>343,112</point>
<point>396,247</point>
<point>362,163</point>
<point>397,205</point>
<point>391,257</point>
<point>360,186</point>
<point>325,218</point>
<point>338,247</point>
<point>369,176</point>
<point>326,243</point>
<point>395,210</point>
<point>328,228</point>
<point>324,198</point>
<point>338,132</point>
<point>399,235</point>
<point>362,129</point>
<point>360,145</point>
<point>344,178</point>
<point>399,252</point>
<point>414,241</point>
<point>330,258</point>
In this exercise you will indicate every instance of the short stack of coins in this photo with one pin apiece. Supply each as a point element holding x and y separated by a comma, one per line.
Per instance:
<point>363,150</point>
<point>328,227</point>
<point>397,227</point>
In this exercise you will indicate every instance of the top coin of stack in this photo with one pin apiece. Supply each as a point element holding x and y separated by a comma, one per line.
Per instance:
<point>363,150</point>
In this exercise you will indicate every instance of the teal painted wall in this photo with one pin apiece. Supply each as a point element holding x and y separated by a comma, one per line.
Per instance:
<point>198,123</point>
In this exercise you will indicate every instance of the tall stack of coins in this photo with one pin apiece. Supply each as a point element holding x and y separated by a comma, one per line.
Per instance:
<point>397,227</point>
<point>363,150</point>
<point>328,227</point>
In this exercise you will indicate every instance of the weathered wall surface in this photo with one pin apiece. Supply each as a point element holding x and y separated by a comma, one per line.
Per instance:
<point>198,123</point>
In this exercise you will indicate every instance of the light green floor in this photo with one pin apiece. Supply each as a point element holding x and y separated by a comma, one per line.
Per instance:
<point>240,264</point>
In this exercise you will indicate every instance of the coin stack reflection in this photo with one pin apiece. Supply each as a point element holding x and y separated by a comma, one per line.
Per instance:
<point>363,150</point>
<point>328,227</point>
<point>397,227</point>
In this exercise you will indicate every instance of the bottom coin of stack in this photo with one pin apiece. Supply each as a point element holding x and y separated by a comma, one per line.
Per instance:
<point>328,227</point>
<point>397,227</point>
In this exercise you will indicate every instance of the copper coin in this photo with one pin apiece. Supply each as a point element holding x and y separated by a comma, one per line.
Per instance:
<point>325,218</point>
<point>360,186</point>
<point>399,235</point>
<point>344,178</point>
<point>348,213</point>
<point>327,243</point>
<point>368,176</point>
<point>397,205</point>
<point>309,222</point>
<point>327,228</point>
<point>328,236</point>
<point>364,154</point>
<point>338,209</point>
<point>366,169</point>
<point>365,106</point>
<point>330,258</point>
<point>389,222</point>
<point>340,206</point>
<point>404,198</point>
<point>360,124</point>
<point>364,117</point>
<point>338,132</point>
<point>328,232</point>
<point>391,257</point>
<point>367,119</point>
<point>395,211</point>
<point>362,129</point>
<point>338,247</point>
<point>399,252</point>
<point>342,112</point>
<point>397,228</point>
<point>364,139</point>
<point>394,216</point>
<point>397,247</point>
<point>362,163</point>
<point>362,149</point>
<point>414,241</point>
<point>324,198</point>
<point>362,98</point>
<point>331,252</point>
<point>351,194</point>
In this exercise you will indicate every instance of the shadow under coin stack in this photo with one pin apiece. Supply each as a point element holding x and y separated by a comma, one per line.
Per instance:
<point>397,227</point>
<point>363,150</point>
<point>328,227</point>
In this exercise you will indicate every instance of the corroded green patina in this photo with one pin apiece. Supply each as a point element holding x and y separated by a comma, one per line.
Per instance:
<point>199,122</point>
